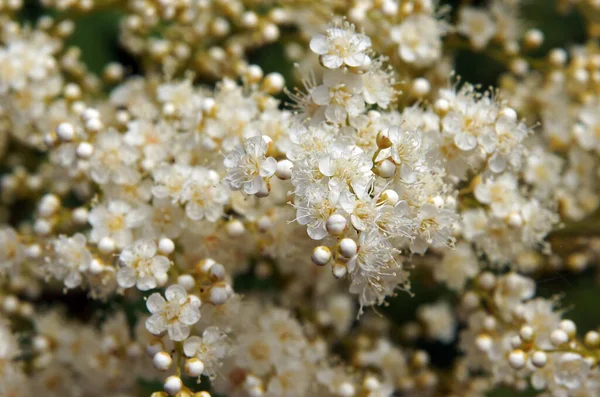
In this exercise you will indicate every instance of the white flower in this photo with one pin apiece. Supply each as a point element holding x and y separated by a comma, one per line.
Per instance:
<point>500,194</point>
<point>142,267</point>
<point>374,272</point>
<point>317,205</point>
<point>26,57</point>
<point>340,93</point>
<point>363,209</point>
<point>169,181</point>
<point>116,220</point>
<point>71,257</point>
<point>211,349</point>
<point>11,250</point>
<point>204,195</point>
<point>348,164</point>
<point>175,315</point>
<point>247,166</point>
<point>477,25</point>
<point>341,45</point>
<point>457,266</point>
<point>378,85</point>
<point>440,323</point>
<point>571,371</point>
<point>419,39</point>
<point>151,138</point>
<point>511,290</point>
<point>472,122</point>
<point>406,151</point>
<point>434,228</point>
<point>113,159</point>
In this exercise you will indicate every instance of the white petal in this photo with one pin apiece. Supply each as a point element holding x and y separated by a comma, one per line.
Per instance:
<point>176,293</point>
<point>156,324</point>
<point>319,44</point>
<point>155,303</point>
<point>126,277</point>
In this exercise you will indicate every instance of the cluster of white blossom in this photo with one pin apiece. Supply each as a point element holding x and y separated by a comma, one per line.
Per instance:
<point>200,228</point>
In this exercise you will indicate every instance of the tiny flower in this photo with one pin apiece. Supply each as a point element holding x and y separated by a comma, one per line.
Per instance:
<point>341,45</point>
<point>175,315</point>
<point>210,349</point>
<point>247,166</point>
<point>142,267</point>
<point>204,195</point>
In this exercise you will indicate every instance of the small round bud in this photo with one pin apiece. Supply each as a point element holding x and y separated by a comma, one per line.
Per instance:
<point>249,19</point>
<point>113,72</point>
<point>569,327</point>
<point>539,359</point>
<point>49,204</point>
<point>186,281</point>
<point>385,168</point>
<point>441,106</point>
<point>348,247</point>
<point>33,251</point>
<point>169,110</point>
<point>515,220</point>
<point>254,73</point>
<point>40,344</point>
<point>420,87</point>
<point>519,66</point>
<point>264,223</point>
<point>516,342</point>
<point>107,245</point>
<point>235,228</point>
<point>526,333</point>
<point>490,323</point>
<point>371,383</point>
<point>162,361</point>
<point>592,339</point>
<point>166,246</point>
<point>80,215</point>
<point>420,359</point>
<point>65,132</point>
<point>42,227</point>
<point>346,389</point>
<point>194,367</point>
<point>273,83</point>
<point>534,38</point>
<point>284,169</point>
<point>558,57</point>
<point>219,294</point>
<point>390,197</point>
<point>94,125</point>
<point>96,267</point>
<point>339,270</point>
<point>85,150</point>
<point>487,281</point>
<point>517,359</point>
<point>89,114</point>
<point>270,32</point>
<point>217,272</point>
<point>509,113</point>
<point>321,255</point>
<point>10,304</point>
<point>559,337</point>
<point>336,224</point>
<point>484,342</point>
<point>173,385</point>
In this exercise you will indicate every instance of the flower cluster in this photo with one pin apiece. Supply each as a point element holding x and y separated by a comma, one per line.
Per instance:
<point>202,227</point>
